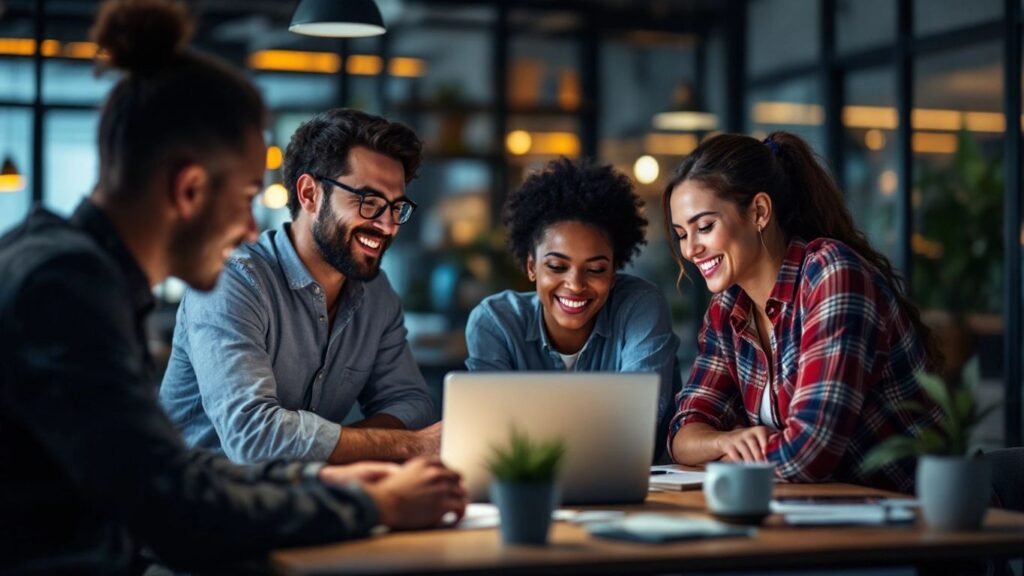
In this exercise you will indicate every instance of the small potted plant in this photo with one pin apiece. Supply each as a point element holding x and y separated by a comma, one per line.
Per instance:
<point>525,486</point>
<point>954,487</point>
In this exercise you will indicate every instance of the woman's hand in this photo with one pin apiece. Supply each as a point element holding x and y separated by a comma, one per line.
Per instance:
<point>743,444</point>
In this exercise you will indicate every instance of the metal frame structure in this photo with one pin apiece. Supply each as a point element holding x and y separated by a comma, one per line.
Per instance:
<point>830,71</point>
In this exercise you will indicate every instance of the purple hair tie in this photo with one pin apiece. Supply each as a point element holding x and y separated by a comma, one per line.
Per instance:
<point>771,143</point>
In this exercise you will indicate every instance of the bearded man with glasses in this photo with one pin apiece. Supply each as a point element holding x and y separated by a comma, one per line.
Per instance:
<point>302,325</point>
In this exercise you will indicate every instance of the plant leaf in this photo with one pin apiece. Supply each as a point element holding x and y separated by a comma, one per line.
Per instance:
<point>525,460</point>
<point>891,450</point>
<point>915,407</point>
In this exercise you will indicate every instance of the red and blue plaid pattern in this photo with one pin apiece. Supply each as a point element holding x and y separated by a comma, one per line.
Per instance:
<point>844,361</point>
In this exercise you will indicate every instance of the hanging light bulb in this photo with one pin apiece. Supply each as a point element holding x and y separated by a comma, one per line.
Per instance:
<point>686,114</point>
<point>10,179</point>
<point>337,18</point>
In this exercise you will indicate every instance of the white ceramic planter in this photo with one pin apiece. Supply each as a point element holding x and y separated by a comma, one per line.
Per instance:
<point>954,491</point>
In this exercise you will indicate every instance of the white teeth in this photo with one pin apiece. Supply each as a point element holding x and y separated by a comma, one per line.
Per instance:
<point>367,242</point>
<point>709,264</point>
<point>572,303</point>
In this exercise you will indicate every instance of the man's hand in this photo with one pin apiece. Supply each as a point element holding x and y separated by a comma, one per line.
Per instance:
<point>418,494</point>
<point>743,444</point>
<point>364,472</point>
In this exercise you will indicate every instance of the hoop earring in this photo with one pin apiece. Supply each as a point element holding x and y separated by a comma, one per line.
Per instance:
<point>760,234</point>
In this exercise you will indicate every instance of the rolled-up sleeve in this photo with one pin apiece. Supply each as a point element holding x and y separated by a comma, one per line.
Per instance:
<point>226,344</point>
<point>396,386</point>
<point>711,395</point>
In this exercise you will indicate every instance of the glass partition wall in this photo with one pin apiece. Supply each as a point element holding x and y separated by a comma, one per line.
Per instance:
<point>916,106</point>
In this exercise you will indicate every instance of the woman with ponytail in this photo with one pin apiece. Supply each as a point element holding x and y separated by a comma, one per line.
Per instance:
<point>809,347</point>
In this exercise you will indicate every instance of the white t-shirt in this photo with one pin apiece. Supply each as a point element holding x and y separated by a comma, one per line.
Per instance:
<point>767,419</point>
<point>570,360</point>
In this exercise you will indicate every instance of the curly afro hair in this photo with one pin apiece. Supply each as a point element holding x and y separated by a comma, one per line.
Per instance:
<point>577,191</point>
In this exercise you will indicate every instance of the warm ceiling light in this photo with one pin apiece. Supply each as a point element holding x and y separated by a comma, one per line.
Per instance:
<point>295,61</point>
<point>337,18</point>
<point>932,143</point>
<point>275,196</point>
<point>874,139</point>
<point>82,50</point>
<point>518,142</point>
<point>407,67</point>
<point>670,144</point>
<point>10,179</point>
<point>50,48</point>
<point>685,121</point>
<point>555,143</point>
<point>17,46</point>
<point>929,119</point>
<point>646,169</point>
<point>883,117</point>
<point>364,65</point>
<point>887,182</point>
<point>274,157</point>
<point>985,121</point>
<point>686,113</point>
<point>792,113</point>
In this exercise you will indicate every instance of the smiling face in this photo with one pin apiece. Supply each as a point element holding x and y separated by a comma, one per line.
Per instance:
<point>204,243</point>
<point>574,272</point>
<point>354,245</point>
<point>714,235</point>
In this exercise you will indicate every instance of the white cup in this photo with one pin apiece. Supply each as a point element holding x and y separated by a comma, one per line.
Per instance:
<point>739,491</point>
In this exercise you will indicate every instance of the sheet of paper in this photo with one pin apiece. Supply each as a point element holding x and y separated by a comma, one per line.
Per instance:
<point>671,477</point>
<point>655,528</point>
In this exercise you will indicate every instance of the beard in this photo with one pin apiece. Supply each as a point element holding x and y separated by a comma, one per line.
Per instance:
<point>335,240</point>
<point>198,251</point>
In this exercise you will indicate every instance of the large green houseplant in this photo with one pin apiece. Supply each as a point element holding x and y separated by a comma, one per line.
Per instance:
<point>953,487</point>
<point>958,246</point>
<point>525,486</point>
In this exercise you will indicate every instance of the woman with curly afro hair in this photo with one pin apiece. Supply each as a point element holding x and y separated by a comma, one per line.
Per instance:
<point>572,227</point>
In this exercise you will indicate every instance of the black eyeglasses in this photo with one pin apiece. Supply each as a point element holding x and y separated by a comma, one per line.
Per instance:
<point>372,203</point>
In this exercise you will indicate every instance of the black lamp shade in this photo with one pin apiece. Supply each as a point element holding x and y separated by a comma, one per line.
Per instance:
<point>337,18</point>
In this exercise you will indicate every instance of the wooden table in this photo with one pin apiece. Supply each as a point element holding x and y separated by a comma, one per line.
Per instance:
<point>572,551</point>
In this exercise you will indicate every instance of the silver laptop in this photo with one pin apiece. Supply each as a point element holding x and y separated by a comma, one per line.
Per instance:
<point>606,419</point>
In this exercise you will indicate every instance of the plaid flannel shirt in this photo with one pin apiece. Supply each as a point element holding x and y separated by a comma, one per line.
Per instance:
<point>844,357</point>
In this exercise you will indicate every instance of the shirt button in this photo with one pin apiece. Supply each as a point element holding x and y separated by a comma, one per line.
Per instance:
<point>316,290</point>
<point>322,319</point>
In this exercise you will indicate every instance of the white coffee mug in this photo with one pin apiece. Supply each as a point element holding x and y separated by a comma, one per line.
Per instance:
<point>739,489</point>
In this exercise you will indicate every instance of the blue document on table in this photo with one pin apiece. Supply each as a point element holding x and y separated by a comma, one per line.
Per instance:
<point>658,528</point>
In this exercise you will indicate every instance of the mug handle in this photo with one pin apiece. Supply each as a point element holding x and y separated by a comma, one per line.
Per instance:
<point>719,489</point>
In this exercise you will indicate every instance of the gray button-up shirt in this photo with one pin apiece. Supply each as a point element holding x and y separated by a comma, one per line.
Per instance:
<point>256,371</point>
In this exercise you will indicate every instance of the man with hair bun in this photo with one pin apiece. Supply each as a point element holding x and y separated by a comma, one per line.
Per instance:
<point>93,470</point>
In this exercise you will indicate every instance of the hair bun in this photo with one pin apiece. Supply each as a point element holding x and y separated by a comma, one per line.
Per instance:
<point>142,36</point>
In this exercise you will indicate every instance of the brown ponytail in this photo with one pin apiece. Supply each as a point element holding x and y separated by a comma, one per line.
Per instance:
<point>806,199</point>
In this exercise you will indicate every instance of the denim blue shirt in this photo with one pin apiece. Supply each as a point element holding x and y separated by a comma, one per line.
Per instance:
<point>256,371</point>
<point>632,333</point>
